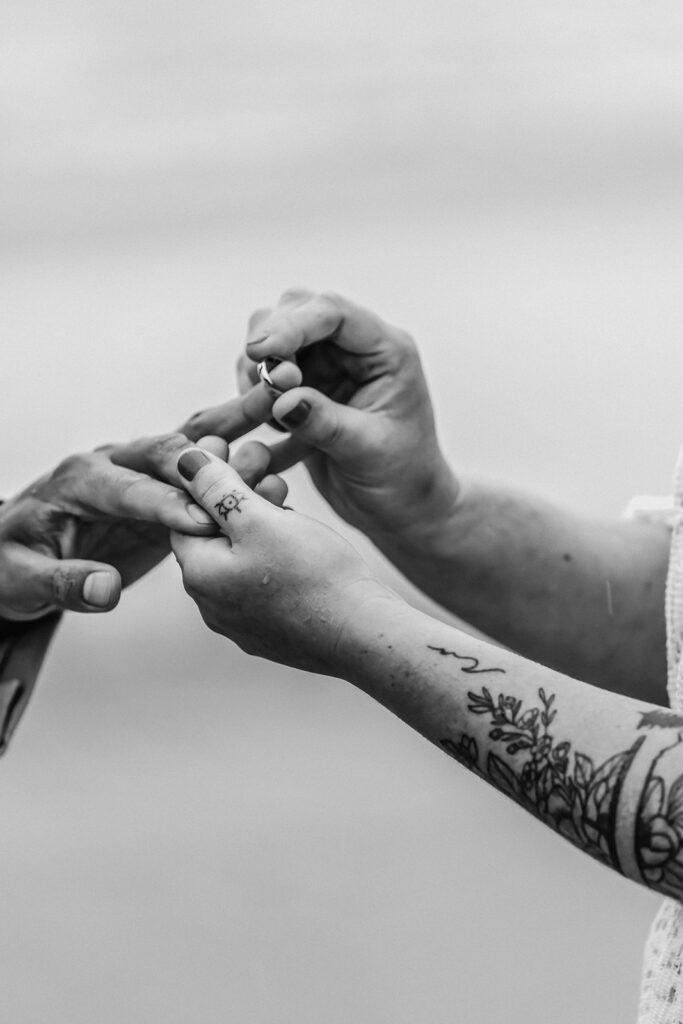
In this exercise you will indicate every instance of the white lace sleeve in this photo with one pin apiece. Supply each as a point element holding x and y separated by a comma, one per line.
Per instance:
<point>653,509</point>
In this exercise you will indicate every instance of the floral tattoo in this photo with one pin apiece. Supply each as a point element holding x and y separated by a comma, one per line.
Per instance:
<point>574,795</point>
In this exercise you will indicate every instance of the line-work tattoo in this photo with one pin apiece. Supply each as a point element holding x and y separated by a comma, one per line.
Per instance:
<point>471,668</point>
<point>579,798</point>
<point>230,503</point>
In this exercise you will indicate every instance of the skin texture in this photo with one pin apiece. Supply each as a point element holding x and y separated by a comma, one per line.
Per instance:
<point>603,770</point>
<point>250,585</point>
<point>96,523</point>
<point>584,597</point>
<point>100,520</point>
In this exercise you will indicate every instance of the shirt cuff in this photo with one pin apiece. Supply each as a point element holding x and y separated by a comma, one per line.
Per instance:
<point>23,646</point>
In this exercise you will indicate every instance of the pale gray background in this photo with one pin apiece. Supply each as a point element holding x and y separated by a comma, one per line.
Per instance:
<point>188,835</point>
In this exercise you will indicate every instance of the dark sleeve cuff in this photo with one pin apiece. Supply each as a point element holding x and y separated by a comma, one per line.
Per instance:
<point>23,646</point>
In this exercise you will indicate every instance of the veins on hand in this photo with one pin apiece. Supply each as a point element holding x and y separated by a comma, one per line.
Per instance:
<point>230,503</point>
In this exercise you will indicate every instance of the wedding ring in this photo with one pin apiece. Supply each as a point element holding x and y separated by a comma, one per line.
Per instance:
<point>264,370</point>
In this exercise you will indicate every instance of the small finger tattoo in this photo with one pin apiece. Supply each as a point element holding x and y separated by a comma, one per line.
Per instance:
<point>230,503</point>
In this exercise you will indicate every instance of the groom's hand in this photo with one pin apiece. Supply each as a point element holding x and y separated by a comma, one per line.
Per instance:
<point>364,410</point>
<point>100,520</point>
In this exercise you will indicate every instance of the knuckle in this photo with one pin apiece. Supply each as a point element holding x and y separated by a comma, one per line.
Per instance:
<point>295,295</point>
<point>196,416</point>
<point>165,446</point>
<point>64,585</point>
<point>258,316</point>
<point>334,299</point>
<point>191,581</point>
<point>194,576</point>
<point>127,483</point>
<point>329,432</point>
<point>219,491</point>
<point>404,340</point>
<point>251,456</point>
<point>74,464</point>
<point>403,353</point>
<point>247,374</point>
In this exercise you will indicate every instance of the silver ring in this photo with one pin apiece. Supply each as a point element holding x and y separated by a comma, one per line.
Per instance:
<point>264,370</point>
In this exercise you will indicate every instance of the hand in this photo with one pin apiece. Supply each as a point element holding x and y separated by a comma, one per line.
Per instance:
<point>364,410</point>
<point>101,520</point>
<point>279,584</point>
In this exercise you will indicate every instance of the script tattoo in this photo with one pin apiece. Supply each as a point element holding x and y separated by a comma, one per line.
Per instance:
<point>472,668</point>
<point>230,503</point>
<point>577,797</point>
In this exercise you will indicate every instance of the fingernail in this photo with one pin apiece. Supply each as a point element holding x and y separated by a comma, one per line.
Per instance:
<point>191,462</point>
<point>296,416</point>
<point>277,426</point>
<point>256,341</point>
<point>199,515</point>
<point>97,589</point>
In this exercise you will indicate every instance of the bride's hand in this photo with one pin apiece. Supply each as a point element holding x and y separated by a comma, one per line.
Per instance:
<point>279,584</point>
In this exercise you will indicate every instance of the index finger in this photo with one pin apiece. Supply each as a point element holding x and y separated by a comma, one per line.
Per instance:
<point>240,415</point>
<point>323,317</point>
<point>92,484</point>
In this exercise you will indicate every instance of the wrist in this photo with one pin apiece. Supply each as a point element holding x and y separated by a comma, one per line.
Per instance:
<point>367,638</point>
<point>433,526</point>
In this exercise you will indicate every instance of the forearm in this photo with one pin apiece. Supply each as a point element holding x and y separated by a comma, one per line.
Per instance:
<point>586,598</point>
<point>605,771</point>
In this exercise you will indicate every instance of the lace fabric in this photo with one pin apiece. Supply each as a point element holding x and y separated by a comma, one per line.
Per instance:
<point>661,998</point>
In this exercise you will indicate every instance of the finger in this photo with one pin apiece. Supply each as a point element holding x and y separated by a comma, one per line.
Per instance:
<point>287,453</point>
<point>295,296</point>
<point>318,421</point>
<point>204,563</point>
<point>222,493</point>
<point>247,373</point>
<point>94,484</point>
<point>258,317</point>
<point>273,489</point>
<point>251,461</point>
<point>282,375</point>
<point>216,445</point>
<point>186,548</point>
<point>234,418</point>
<point>290,328</point>
<point>199,558</point>
<point>33,583</point>
<point>155,456</point>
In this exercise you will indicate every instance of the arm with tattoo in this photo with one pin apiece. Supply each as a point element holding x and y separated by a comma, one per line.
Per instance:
<point>582,596</point>
<point>604,771</point>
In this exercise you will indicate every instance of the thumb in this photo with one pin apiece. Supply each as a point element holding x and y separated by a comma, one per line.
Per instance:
<point>324,424</point>
<point>222,492</point>
<point>38,583</point>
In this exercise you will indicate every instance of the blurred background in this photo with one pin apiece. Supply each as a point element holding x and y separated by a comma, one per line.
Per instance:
<point>191,835</point>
